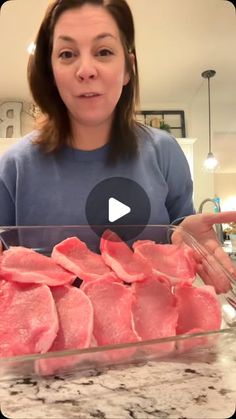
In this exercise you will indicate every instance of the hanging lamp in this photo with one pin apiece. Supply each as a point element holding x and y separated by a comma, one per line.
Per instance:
<point>211,162</point>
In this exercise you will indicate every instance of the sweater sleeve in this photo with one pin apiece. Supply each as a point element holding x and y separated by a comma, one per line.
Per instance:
<point>176,171</point>
<point>7,191</point>
<point>7,206</point>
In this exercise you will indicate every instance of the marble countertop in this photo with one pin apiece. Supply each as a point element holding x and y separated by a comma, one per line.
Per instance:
<point>189,387</point>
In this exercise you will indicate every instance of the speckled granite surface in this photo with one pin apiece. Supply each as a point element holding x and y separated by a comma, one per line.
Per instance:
<point>184,388</point>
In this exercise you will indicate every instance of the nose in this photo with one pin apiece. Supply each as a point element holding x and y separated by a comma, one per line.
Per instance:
<point>86,69</point>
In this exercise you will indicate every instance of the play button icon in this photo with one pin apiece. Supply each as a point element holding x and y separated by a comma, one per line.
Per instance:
<point>116,210</point>
<point>120,203</point>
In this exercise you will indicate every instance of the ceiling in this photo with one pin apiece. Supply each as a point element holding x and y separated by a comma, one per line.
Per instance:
<point>176,40</point>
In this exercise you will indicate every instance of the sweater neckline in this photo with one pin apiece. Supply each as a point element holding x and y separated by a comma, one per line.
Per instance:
<point>98,154</point>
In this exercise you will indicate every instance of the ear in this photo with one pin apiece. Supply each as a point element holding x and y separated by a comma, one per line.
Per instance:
<point>127,75</point>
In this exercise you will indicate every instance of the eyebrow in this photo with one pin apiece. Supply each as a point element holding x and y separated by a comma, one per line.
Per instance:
<point>97,38</point>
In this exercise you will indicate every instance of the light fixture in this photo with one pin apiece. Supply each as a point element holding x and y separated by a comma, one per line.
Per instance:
<point>211,162</point>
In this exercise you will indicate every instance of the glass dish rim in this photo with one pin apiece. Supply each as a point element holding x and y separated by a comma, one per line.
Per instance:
<point>231,330</point>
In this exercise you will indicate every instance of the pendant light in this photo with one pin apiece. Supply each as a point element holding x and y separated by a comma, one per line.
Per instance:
<point>211,162</point>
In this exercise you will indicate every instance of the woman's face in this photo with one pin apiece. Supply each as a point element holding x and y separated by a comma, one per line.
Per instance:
<point>88,64</point>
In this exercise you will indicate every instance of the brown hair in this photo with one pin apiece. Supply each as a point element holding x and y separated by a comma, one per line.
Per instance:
<point>55,128</point>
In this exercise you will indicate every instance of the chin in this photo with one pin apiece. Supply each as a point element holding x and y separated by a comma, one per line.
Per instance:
<point>92,121</point>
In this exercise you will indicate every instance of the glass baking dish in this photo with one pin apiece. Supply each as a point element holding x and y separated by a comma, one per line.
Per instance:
<point>200,346</point>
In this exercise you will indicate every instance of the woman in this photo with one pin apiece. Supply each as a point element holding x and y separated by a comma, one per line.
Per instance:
<point>84,78</point>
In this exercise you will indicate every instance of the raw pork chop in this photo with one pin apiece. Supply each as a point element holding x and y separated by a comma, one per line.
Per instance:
<point>1,275</point>
<point>113,321</point>
<point>176,262</point>
<point>28,319</point>
<point>117,254</point>
<point>198,308</point>
<point>75,314</point>
<point>154,312</point>
<point>74,255</point>
<point>20,264</point>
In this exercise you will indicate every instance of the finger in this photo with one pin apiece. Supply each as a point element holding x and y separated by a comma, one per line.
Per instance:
<point>220,217</point>
<point>202,272</point>
<point>225,260</point>
<point>214,273</point>
<point>177,236</point>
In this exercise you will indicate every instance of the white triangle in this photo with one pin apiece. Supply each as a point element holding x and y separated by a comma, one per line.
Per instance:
<point>116,209</point>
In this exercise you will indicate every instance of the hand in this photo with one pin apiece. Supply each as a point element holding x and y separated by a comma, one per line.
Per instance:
<point>200,226</point>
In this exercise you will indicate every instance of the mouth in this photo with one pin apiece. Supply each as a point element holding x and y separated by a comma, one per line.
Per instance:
<point>89,95</point>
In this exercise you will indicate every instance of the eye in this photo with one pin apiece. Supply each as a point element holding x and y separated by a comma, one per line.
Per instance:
<point>105,52</point>
<point>65,55</point>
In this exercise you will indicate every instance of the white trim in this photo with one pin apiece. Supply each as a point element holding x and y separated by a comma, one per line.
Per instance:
<point>187,146</point>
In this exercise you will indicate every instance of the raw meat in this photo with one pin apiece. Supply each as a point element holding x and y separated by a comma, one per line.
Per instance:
<point>160,300</point>
<point>20,264</point>
<point>74,255</point>
<point>176,262</point>
<point>28,319</point>
<point>154,312</point>
<point>113,321</point>
<point>198,308</point>
<point>75,314</point>
<point>117,254</point>
<point>1,275</point>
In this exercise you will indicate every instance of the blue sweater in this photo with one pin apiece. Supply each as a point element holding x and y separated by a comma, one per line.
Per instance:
<point>51,189</point>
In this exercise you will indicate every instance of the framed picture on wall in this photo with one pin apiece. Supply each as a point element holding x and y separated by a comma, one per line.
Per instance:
<point>171,121</point>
